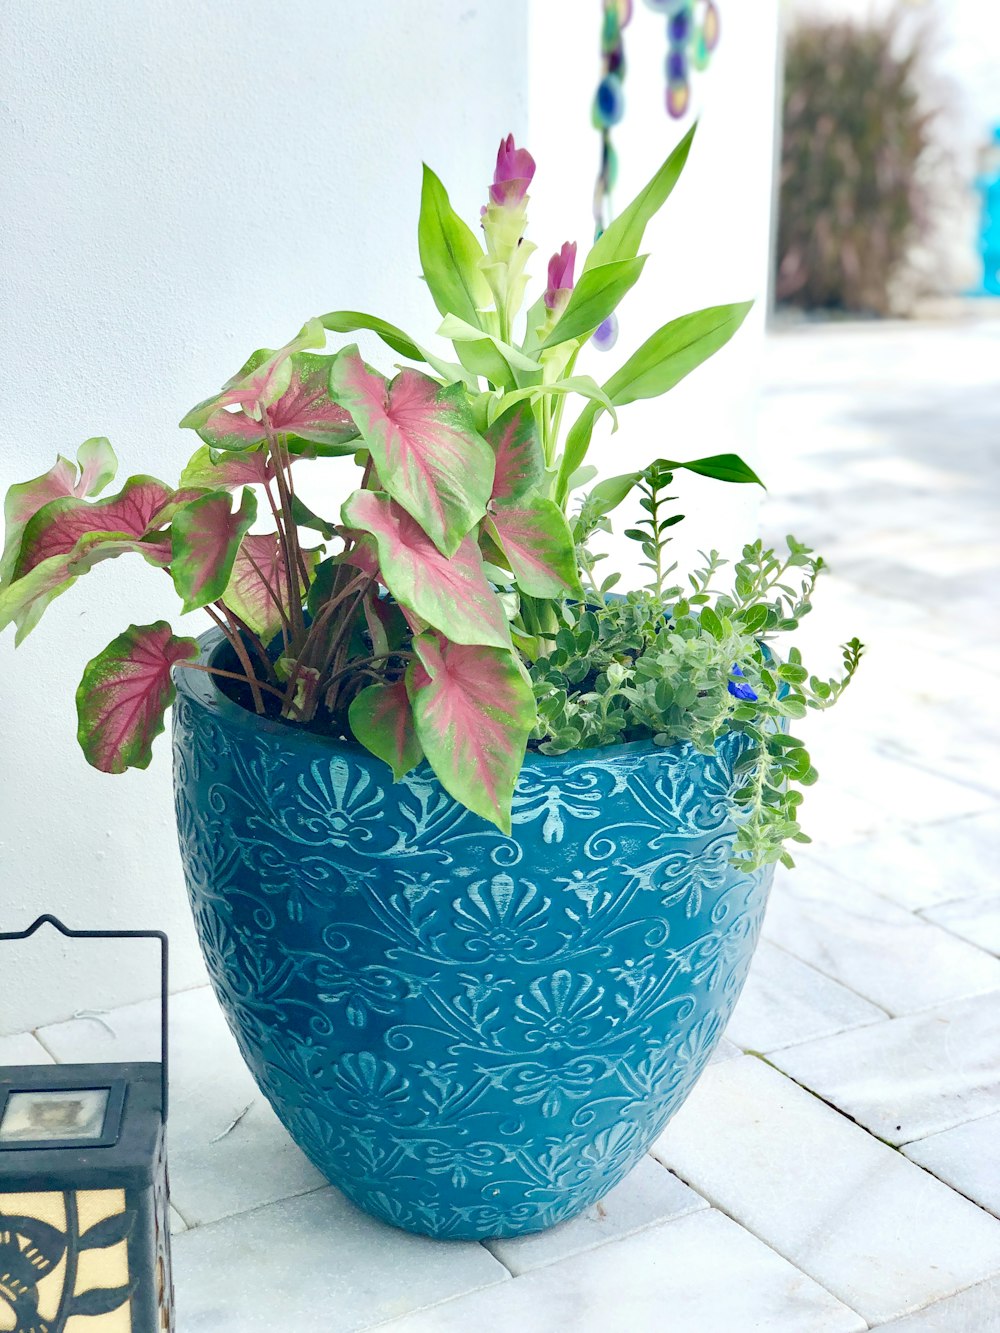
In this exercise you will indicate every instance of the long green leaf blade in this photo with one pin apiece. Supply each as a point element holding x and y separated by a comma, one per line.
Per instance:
<point>673,351</point>
<point>594,298</point>
<point>350,321</point>
<point>460,331</point>
<point>662,361</point>
<point>450,255</point>
<point>721,467</point>
<point>622,237</point>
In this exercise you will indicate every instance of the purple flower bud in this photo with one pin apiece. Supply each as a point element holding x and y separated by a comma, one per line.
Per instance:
<point>514,171</point>
<point>560,275</point>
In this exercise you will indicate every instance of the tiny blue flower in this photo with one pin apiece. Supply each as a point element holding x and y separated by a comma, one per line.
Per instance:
<point>739,691</point>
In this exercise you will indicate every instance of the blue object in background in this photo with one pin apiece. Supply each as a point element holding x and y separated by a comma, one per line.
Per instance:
<point>469,1034</point>
<point>988,184</point>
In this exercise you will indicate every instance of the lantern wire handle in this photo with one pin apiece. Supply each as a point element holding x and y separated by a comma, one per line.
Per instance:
<point>49,920</point>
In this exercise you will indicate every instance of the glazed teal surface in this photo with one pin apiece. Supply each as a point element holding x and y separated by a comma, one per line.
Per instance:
<point>469,1034</point>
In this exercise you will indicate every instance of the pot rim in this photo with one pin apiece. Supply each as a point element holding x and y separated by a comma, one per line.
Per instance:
<point>200,688</point>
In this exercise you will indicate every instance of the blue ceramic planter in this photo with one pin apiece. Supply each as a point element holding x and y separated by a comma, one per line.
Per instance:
<point>470,1035</point>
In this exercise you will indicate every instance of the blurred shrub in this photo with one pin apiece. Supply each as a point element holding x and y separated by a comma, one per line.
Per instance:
<point>854,199</point>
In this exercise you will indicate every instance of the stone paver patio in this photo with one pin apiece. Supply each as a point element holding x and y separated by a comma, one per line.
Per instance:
<point>838,1166</point>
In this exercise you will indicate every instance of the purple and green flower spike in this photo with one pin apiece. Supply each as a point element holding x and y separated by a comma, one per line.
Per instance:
<point>514,172</point>
<point>560,275</point>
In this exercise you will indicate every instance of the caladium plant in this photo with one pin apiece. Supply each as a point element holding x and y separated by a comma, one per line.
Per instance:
<point>413,619</point>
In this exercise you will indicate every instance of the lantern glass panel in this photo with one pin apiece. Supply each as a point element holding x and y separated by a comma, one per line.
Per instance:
<point>54,1116</point>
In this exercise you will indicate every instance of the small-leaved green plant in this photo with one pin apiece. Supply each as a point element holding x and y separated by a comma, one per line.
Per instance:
<point>693,664</point>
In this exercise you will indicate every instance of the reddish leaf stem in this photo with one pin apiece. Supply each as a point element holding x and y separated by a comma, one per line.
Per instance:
<point>245,632</point>
<point>239,648</point>
<point>286,527</point>
<point>293,552</point>
<point>233,675</point>
<point>363,663</point>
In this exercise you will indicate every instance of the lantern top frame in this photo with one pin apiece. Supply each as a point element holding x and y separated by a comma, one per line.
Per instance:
<point>47,919</point>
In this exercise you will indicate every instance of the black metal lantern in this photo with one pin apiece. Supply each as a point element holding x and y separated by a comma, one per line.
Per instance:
<point>84,1226</point>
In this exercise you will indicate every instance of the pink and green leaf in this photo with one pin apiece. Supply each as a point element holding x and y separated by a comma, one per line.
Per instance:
<point>428,454</point>
<point>520,463</point>
<point>205,469</point>
<point>24,601</point>
<point>452,594</point>
<point>257,591</point>
<point>305,411</point>
<point>57,527</point>
<point>382,721</point>
<point>261,381</point>
<point>232,430</point>
<point>535,537</point>
<point>24,501</point>
<point>177,501</point>
<point>386,623</point>
<point>363,555</point>
<point>205,538</point>
<point>473,711</point>
<point>96,467</point>
<point>124,694</point>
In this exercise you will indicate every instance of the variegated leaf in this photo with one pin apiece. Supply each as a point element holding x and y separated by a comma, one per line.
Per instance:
<point>205,537</point>
<point>124,693</point>
<point>262,380</point>
<point>382,720</point>
<point>452,594</point>
<point>98,466</point>
<point>258,587</point>
<point>305,411</point>
<point>95,468</point>
<point>473,711</point>
<point>428,454</point>
<point>57,527</point>
<point>225,471</point>
<point>520,465</point>
<point>535,537</point>
<point>24,601</point>
<point>177,500</point>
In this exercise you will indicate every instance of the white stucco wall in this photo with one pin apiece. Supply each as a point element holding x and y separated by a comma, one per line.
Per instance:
<point>182,184</point>
<point>708,246</point>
